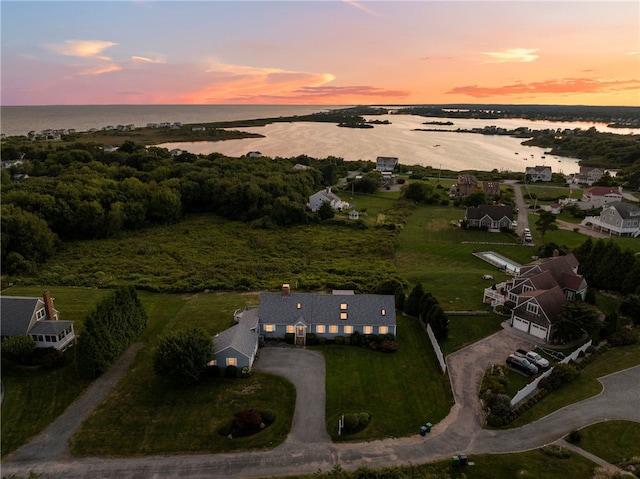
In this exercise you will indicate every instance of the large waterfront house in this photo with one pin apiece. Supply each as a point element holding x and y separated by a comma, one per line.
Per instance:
<point>538,173</point>
<point>386,163</point>
<point>341,313</point>
<point>589,175</point>
<point>616,219</point>
<point>598,196</point>
<point>36,318</point>
<point>538,293</point>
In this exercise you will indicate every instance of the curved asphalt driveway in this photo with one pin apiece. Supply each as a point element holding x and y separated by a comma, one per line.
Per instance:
<point>307,451</point>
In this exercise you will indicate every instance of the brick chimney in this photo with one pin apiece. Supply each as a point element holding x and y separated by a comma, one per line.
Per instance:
<point>48,306</point>
<point>286,290</point>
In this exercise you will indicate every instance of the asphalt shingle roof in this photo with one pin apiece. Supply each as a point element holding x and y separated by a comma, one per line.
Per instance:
<point>16,313</point>
<point>361,309</point>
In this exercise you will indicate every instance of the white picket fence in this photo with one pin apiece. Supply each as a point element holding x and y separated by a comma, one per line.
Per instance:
<point>533,385</point>
<point>436,348</point>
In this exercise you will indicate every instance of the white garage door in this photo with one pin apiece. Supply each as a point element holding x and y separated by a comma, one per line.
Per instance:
<point>538,331</point>
<point>521,324</point>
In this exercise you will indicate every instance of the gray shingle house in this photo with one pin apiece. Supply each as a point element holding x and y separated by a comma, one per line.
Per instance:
<point>617,218</point>
<point>37,318</point>
<point>341,313</point>
<point>493,217</point>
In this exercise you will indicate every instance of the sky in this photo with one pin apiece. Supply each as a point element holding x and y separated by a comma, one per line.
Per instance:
<point>320,52</point>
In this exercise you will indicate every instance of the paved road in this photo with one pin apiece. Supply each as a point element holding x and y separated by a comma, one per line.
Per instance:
<point>461,431</point>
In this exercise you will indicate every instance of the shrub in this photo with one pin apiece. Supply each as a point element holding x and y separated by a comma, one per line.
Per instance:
<point>231,372</point>
<point>499,405</point>
<point>562,374</point>
<point>339,339</point>
<point>322,340</point>
<point>623,337</point>
<point>357,339</point>
<point>289,338</point>
<point>18,349</point>
<point>351,422</point>
<point>48,358</point>
<point>574,437</point>
<point>268,417</point>
<point>213,372</point>
<point>312,339</point>
<point>248,419</point>
<point>246,372</point>
<point>494,421</point>
<point>363,419</point>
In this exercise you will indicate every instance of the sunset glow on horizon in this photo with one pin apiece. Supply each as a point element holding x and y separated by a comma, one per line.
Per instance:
<point>320,52</point>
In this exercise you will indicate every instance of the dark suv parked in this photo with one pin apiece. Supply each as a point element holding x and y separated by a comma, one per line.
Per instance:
<point>522,364</point>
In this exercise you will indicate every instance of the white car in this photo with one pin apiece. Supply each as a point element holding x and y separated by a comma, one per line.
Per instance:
<point>538,360</point>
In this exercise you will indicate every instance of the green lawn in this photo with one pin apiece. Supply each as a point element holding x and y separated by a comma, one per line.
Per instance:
<point>585,385</point>
<point>401,390</point>
<point>613,441</point>
<point>465,330</point>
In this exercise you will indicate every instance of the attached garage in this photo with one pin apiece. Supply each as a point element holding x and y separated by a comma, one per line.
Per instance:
<point>538,331</point>
<point>521,324</point>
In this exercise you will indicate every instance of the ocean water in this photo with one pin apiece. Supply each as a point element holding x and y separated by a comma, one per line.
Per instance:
<point>439,149</point>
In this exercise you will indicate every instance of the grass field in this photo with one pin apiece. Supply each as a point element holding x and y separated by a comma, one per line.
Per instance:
<point>613,441</point>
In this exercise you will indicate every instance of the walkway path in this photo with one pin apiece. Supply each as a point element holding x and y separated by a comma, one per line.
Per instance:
<point>309,451</point>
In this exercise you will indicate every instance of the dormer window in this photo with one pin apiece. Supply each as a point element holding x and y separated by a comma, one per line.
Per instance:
<point>383,312</point>
<point>299,305</point>
<point>343,316</point>
<point>343,306</point>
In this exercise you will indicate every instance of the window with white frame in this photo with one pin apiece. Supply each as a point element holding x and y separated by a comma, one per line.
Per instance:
<point>348,329</point>
<point>343,316</point>
<point>299,305</point>
<point>383,312</point>
<point>526,288</point>
<point>320,328</point>
<point>40,314</point>
<point>290,328</point>
<point>383,330</point>
<point>269,328</point>
<point>231,362</point>
<point>368,329</point>
<point>333,328</point>
<point>532,307</point>
<point>343,306</point>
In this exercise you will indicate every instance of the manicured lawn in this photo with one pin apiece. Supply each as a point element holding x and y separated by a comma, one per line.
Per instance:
<point>585,385</point>
<point>400,390</point>
<point>465,330</point>
<point>613,441</point>
<point>433,250</point>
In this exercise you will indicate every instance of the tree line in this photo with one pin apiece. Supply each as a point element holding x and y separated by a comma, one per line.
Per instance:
<point>79,192</point>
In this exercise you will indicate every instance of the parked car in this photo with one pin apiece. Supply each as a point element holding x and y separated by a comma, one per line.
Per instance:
<point>522,365</point>
<point>533,358</point>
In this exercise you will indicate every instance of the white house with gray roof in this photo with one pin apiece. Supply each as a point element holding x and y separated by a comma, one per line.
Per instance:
<point>36,318</point>
<point>341,313</point>
<point>326,195</point>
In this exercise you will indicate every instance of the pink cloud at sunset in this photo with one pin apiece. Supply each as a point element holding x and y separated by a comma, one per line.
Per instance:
<point>348,52</point>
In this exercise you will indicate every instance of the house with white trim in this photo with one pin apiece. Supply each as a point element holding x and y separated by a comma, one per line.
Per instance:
<point>326,195</point>
<point>539,292</point>
<point>386,163</point>
<point>492,217</point>
<point>538,173</point>
<point>617,219</point>
<point>341,313</point>
<point>36,318</point>
<point>598,196</point>
<point>589,175</point>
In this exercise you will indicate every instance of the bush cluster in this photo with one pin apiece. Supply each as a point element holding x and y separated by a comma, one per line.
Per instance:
<point>356,422</point>
<point>247,422</point>
<point>108,330</point>
<point>623,337</point>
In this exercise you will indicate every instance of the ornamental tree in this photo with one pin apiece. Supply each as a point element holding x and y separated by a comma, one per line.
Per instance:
<point>182,356</point>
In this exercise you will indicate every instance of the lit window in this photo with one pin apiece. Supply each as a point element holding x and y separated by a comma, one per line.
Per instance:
<point>269,328</point>
<point>343,306</point>
<point>383,312</point>
<point>320,328</point>
<point>343,315</point>
<point>368,329</point>
<point>290,328</point>
<point>348,329</point>
<point>383,330</point>
<point>299,305</point>
<point>333,328</point>
<point>213,362</point>
<point>231,361</point>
